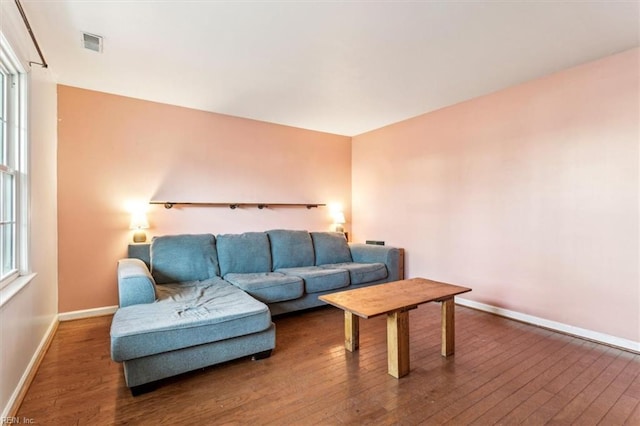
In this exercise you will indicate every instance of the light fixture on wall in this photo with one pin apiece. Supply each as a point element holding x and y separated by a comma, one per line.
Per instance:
<point>139,222</point>
<point>338,221</point>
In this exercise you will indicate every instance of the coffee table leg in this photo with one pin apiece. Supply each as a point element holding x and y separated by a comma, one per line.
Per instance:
<point>398,343</point>
<point>351,331</point>
<point>448,327</point>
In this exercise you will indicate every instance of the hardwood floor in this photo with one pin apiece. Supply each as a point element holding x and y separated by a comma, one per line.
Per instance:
<point>503,372</point>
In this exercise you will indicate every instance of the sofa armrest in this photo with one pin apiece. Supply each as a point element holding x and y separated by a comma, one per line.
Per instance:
<point>392,257</point>
<point>135,283</point>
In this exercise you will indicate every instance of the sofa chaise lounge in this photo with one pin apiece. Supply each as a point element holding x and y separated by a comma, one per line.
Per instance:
<point>191,301</point>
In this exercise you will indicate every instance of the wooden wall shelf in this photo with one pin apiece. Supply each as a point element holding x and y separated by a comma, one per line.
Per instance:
<point>233,206</point>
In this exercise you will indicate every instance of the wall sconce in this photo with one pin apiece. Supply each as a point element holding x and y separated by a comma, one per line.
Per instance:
<point>139,222</point>
<point>338,221</point>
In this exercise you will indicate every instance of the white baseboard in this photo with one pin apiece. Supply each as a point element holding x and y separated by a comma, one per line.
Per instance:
<point>29,372</point>
<point>529,319</point>
<point>87,313</point>
<point>607,339</point>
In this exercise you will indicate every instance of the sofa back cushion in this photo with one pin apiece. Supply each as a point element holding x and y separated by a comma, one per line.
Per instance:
<point>180,258</point>
<point>291,249</point>
<point>244,253</point>
<point>330,247</point>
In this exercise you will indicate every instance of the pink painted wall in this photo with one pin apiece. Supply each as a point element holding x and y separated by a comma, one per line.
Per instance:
<point>114,151</point>
<point>528,195</point>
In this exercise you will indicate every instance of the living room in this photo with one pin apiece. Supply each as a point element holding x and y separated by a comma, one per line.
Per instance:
<point>527,194</point>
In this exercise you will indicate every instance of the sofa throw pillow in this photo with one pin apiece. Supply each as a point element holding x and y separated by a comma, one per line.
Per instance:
<point>330,247</point>
<point>291,249</point>
<point>180,258</point>
<point>244,253</point>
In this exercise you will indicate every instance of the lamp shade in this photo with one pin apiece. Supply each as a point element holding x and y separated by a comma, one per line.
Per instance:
<point>338,217</point>
<point>139,221</point>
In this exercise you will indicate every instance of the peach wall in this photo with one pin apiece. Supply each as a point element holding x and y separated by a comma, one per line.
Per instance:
<point>528,195</point>
<point>114,151</point>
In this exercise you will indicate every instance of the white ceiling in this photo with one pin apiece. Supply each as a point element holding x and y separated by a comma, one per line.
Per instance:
<point>343,67</point>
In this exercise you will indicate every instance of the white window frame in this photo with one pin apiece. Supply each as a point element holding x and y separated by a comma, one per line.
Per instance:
<point>17,164</point>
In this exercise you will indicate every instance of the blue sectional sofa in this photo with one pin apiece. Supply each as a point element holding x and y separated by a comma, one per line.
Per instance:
<point>190,301</point>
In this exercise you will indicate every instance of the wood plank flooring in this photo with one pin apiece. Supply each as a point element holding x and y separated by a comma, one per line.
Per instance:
<point>503,372</point>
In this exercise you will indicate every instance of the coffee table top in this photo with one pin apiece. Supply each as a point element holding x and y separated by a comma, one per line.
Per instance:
<point>384,298</point>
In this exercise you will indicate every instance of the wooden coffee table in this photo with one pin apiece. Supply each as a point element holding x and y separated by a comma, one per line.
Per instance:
<point>396,299</point>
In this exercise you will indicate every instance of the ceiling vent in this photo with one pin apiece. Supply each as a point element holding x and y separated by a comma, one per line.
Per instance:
<point>92,42</point>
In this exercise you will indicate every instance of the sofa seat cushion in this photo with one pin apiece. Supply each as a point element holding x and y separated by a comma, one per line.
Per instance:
<point>319,279</point>
<point>268,287</point>
<point>361,273</point>
<point>185,315</point>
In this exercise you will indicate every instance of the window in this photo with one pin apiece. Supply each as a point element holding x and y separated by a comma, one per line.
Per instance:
<point>13,177</point>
